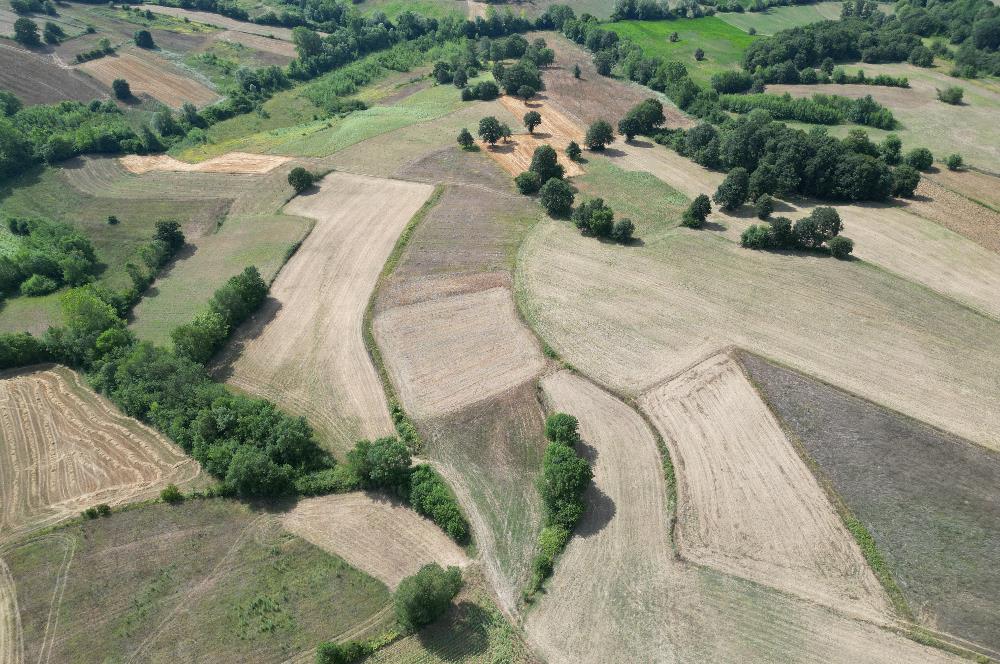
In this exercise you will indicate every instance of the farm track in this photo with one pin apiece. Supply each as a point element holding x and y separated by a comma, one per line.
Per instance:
<point>374,534</point>
<point>304,349</point>
<point>747,505</point>
<point>68,448</point>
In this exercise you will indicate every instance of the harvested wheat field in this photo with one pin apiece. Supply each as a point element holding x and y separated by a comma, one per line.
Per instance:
<point>747,504</point>
<point>149,74</point>
<point>635,316</point>
<point>556,130</point>
<point>233,162</point>
<point>374,534</point>
<point>446,353</point>
<point>628,598</point>
<point>304,349</point>
<point>66,448</point>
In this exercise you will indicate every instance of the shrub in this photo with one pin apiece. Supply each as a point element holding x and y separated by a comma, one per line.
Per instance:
<point>38,284</point>
<point>565,476</point>
<point>757,236</point>
<point>430,496</point>
<point>121,89</point>
<point>905,179</point>
<point>623,230</point>
<point>733,191</point>
<point>891,149</point>
<point>594,218</point>
<point>696,213</point>
<point>951,95</point>
<point>599,135</point>
<point>573,151</point>
<point>699,54</point>
<point>465,139</point>
<point>339,479</point>
<point>424,597</point>
<point>103,509</point>
<point>920,159</point>
<point>764,205</point>
<point>143,39</point>
<point>171,494</point>
<point>300,179</point>
<point>556,196</point>
<point>528,183</point>
<point>26,32</point>
<point>53,33</point>
<point>252,472</point>
<point>382,464</point>
<point>954,162</point>
<point>730,82</point>
<point>840,247</point>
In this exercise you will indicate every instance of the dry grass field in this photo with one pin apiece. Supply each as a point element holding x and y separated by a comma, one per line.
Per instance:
<point>273,45</point>
<point>514,156</point>
<point>747,505</point>
<point>233,162</point>
<point>224,22</point>
<point>450,352</point>
<point>65,448</point>
<point>40,79</point>
<point>374,534</point>
<point>304,349</point>
<point>150,74</point>
<point>11,638</point>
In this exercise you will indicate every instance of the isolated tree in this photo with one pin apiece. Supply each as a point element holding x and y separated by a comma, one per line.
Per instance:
<point>424,597</point>
<point>143,39</point>
<point>26,32</point>
<point>460,79</point>
<point>629,127</point>
<point>490,130</point>
<point>531,120</point>
<point>576,71</point>
<point>545,162</point>
<point>599,135</point>
<point>764,205</point>
<point>573,151</point>
<point>121,89</point>
<point>53,33</point>
<point>594,217</point>
<point>556,196</point>
<point>840,247</point>
<point>954,162</point>
<point>699,54</point>
<point>920,159</point>
<point>734,190</point>
<point>696,213</point>
<point>528,183</point>
<point>300,179</point>
<point>170,233</point>
<point>674,37</point>
<point>465,139</point>
<point>505,132</point>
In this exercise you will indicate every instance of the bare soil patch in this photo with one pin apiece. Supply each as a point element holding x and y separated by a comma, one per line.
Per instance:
<point>304,349</point>
<point>929,499</point>
<point>374,534</point>
<point>747,505</point>
<point>150,74</point>
<point>448,353</point>
<point>39,79</point>
<point>234,162</point>
<point>556,130</point>
<point>66,448</point>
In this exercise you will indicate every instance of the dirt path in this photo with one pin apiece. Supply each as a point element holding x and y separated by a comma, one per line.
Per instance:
<point>233,162</point>
<point>305,348</point>
<point>380,537</point>
<point>11,637</point>
<point>747,505</point>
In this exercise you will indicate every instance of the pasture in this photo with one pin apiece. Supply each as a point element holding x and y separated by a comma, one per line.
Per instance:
<point>178,581</point>
<point>65,449</point>
<point>776,19</point>
<point>722,43</point>
<point>224,22</point>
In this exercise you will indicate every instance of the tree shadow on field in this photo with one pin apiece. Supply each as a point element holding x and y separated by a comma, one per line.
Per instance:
<point>222,368</point>
<point>635,142</point>
<point>610,153</point>
<point>461,634</point>
<point>600,508</point>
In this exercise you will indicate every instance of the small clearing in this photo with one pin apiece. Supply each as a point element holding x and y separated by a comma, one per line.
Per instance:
<point>747,505</point>
<point>233,162</point>
<point>514,156</point>
<point>374,534</point>
<point>305,349</point>
<point>66,448</point>
<point>149,74</point>
<point>447,353</point>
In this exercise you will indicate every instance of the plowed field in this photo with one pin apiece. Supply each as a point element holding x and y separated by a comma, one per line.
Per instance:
<point>151,75</point>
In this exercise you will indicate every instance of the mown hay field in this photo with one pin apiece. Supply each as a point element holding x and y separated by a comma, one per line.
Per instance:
<point>775,19</point>
<point>374,533</point>
<point>304,349</point>
<point>65,449</point>
<point>514,155</point>
<point>152,75</point>
<point>233,162</point>
<point>178,581</point>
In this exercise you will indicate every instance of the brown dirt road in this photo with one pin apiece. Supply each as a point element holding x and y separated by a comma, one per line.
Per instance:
<point>305,348</point>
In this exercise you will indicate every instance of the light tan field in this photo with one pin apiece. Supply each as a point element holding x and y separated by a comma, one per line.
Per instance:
<point>151,75</point>
<point>220,21</point>
<point>556,130</point>
<point>304,349</point>
<point>11,636</point>
<point>633,317</point>
<point>619,595</point>
<point>447,353</point>
<point>261,43</point>
<point>378,536</point>
<point>234,162</point>
<point>747,504</point>
<point>65,448</point>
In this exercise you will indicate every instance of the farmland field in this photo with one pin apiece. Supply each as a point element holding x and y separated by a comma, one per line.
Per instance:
<point>36,79</point>
<point>148,74</point>
<point>220,21</point>
<point>775,19</point>
<point>65,448</point>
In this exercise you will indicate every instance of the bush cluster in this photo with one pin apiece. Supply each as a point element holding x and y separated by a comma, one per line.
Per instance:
<point>594,217</point>
<point>49,255</point>
<point>821,227</point>
<point>424,597</point>
<point>820,109</point>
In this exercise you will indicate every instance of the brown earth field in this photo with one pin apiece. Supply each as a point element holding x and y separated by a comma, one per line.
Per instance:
<point>374,534</point>
<point>514,155</point>
<point>66,448</point>
<point>975,185</point>
<point>304,349</point>
<point>627,598</point>
<point>164,583</point>
<point>278,47</point>
<point>220,21</point>
<point>929,499</point>
<point>233,162</point>
<point>152,75</point>
<point>747,505</point>
<point>38,79</point>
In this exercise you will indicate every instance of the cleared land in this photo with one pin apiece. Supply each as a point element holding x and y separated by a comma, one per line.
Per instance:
<point>618,593</point>
<point>152,75</point>
<point>747,505</point>
<point>930,500</point>
<point>37,79</point>
<point>448,353</point>
<point>177,582</point>
<point>775,19</point>
<point>234,162</point>
<point>681,298</point>
<point>374,534</point>
<point>66,448</point>
<point>514,156</point>
<point>304,349</point>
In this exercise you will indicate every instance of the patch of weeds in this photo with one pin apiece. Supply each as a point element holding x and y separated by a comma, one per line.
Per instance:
<point>264,614</point>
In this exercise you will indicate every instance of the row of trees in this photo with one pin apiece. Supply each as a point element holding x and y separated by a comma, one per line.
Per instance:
<point>820,109</point>
<point>819,230</point>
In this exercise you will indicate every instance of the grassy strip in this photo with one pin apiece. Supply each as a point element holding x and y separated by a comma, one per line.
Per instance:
<point>404,425</point>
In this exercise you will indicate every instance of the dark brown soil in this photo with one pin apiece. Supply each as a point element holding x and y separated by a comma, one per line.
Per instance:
<point>36,79</point>
<point>930,499</point>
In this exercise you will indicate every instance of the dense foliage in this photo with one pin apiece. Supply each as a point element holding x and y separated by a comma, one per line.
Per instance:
<point>49,255</point>
<point>820,109</point>
<point>821,227</point>
<point>424,597</point>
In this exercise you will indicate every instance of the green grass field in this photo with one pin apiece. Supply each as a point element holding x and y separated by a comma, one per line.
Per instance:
<point>781,18</point>
<point>432,8</point>
<point>722,43</point>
